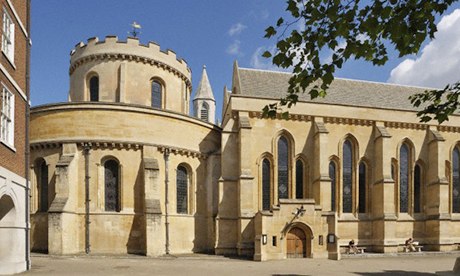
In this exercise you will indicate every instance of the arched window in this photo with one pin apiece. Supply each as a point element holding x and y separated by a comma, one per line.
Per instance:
<point>112,186</point>
<point>299,172</point>
<point>456,181</point>
<point>347,191</point>
<point>182,190</point>
<point>404,155</point>
<point>283,168</point>
<point>94,89</point>
<point>417,188</point>
<point>204,112</point>
<point>333,177</point>
<point>156,94</point>
<point>42,178</point>
<point>362,187</point>
<point>266,184</point>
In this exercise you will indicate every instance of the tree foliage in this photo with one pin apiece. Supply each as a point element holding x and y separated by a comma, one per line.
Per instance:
<point>353,30</point>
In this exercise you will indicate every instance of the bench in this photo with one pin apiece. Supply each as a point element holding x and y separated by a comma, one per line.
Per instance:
<point>418,248</point>
<point>359,249</point>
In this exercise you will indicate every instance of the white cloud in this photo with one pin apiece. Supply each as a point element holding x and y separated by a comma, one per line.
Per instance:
<point>234,48</point>
<point>439,61</point>
<point>259,62</point>
<point>236,29</point>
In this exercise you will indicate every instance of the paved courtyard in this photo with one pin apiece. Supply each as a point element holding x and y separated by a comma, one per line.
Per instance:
<point>213,265</point>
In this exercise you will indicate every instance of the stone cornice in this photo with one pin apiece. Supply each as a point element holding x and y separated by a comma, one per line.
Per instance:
<point>128,57</point>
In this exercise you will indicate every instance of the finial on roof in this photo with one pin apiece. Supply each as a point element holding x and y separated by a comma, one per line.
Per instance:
<point>204,66</point>
<point>136,27</point>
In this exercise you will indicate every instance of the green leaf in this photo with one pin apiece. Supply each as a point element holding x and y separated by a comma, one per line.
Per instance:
<point>267,54</point>
<point>279,22</point>
<point>269,32</point>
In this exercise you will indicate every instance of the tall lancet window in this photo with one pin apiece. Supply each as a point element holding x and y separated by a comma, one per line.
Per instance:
<point>299,172</point>
<point>43,186</point>
<point>94,89</point>
<point>456,181</point>
<point>404,155</point>
<point>156,94</point>
<point>182,190</point>
<point>283,168</point>
<point>112,186</point>
<point>204,112</point>
<point>333,177</point>
<point>362,187</point>
<point>417,188</point>
<point>266,177</point>
<point>347,190</point>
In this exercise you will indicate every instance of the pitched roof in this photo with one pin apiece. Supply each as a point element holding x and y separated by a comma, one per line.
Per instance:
<point>204,90</point>
<point>272,84</point>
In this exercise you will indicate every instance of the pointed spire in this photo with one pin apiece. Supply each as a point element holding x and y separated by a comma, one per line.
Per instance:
<point>204,90</point>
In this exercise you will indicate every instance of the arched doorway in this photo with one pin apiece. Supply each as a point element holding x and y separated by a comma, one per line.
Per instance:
<point>296,243</point>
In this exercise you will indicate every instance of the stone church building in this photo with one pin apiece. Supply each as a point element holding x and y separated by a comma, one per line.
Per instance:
<point>123,167</point>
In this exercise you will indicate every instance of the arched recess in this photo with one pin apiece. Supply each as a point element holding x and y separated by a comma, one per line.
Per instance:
<point>184,189</point>
<point>363,186</point>
<point>349,153</point>
<point>419,189</point>
<point>298,238</point>
<point>157,93</point>
<point>302,184</point>
<point>93,87</point>
<point>8,214</point>
<point>284,147</point>
<point>112,184</point>
<point>10,228</point>
<point>266,197</point>
<point>204,112</point>
<point>42,177</point>
<point>455,180</point>
<point>334,176</point>
<point>405,186</point>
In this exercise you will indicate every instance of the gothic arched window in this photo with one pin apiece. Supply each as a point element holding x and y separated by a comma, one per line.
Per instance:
<point>157,94</point>
<point>283,168</point>
<point>333,177</point>
<point>266,184</point>
<point>417,188</point>
<point>112,185</point>
<point>299,179</point>
<point>42,178</point>
<point>404,155</point>
<point>347,191</point>
<point>362,187</point>
<point>204,112</point>
<point>456,181</point>
<point>94,89</point>
<point>182,190</point>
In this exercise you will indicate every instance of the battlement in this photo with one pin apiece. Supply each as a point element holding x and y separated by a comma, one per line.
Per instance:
<point>130,49</point>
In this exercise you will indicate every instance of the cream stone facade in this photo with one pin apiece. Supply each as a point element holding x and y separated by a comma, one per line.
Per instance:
<point>123,168</point>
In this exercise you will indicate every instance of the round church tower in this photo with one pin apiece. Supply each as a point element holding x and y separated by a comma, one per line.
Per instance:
<point>122,167</point>
<point>127,72</point>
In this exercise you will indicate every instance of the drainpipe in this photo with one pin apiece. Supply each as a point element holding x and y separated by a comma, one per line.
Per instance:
<point>166,156</point>
<point>27,147</point>
<point>86,152</point>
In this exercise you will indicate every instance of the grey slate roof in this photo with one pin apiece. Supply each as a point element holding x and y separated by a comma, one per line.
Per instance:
<point>272,84</point>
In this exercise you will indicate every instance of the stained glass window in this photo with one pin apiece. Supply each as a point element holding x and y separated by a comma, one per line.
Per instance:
<point>94,89</point>
<point>266,185</point>
<point>299,179</point>
<point>332,176</point>
<point>283,168</point>
<point>347,177</point>
<point>156,94</point>
<point>456,181</point>
<point>43,186</point>
<point>417,187</point>
<point>362,188</point>
<point>182,190</point>
<point>112,200</point>
<point>404,178</point>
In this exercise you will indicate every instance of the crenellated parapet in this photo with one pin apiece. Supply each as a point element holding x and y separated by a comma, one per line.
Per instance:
<point>113,49</point>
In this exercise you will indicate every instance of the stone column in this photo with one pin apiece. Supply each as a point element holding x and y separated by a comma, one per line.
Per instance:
<point>321,182</point>
<point>247,190</point>
<point>383,193</point>
<point>63,223</point>
<point>154,231</point>
<point>437,195</point>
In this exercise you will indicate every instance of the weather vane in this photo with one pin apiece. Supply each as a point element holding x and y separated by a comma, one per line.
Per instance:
<point>136,27</point>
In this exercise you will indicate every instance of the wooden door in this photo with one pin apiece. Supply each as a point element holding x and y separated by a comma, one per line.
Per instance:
<point>296,243</point>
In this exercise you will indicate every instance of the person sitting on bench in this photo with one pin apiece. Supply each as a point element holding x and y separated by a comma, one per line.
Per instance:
<point>352,247</point>
<point>410,245</point>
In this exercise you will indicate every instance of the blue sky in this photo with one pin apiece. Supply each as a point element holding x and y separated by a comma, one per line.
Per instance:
<point>203,32</point>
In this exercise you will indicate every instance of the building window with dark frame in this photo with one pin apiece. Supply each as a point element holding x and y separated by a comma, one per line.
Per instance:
<point>182,187</point>
<point>299,179</point>
<point>204,113</point>
<point>157,94</point>
<point>404,168</point>
<point>417,189</point>
<point>347,177</point>
<point>42,185</point>
<point>333,177</point>
<point>456,180</point>
<point>283,168</point>
<point>112,185</point>
<point>362,186</point>
<point>266,184</point>
<point>94,89</point>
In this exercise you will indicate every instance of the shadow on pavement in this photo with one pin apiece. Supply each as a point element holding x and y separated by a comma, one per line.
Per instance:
<point>395,273</point>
